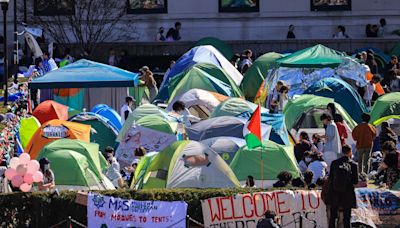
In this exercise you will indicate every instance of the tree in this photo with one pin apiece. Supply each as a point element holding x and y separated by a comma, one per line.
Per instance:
<point>89,23</point>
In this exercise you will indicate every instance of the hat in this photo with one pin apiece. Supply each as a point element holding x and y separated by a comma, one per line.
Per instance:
<point>144,68</point>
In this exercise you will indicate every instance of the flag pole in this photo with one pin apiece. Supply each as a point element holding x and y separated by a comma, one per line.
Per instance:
<point>262,166</point>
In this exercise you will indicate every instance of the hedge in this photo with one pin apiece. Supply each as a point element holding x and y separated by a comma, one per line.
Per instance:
<point>42,209</point>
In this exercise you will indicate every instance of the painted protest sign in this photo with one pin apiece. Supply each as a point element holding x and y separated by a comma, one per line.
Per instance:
<point>295,208</point>
<point>377,207</point>
<point>139,136</point>
<point>105,211</point>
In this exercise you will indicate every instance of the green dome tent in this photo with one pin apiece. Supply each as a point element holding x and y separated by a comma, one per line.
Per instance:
<point>188,164</point>
<point>386,105</point>
<point>396,50</point>
<point>305,111</point>
<point>233,107</point>
<point>256,74</point>
<point>96,161</point>
<point>27,129</point>
<point>264,163</point>
<point>204,76</point>
<point>220,45</point>
<point>140,112</point>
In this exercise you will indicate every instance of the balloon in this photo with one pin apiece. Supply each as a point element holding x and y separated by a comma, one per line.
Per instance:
<point>10,173</point>
<point>17,181</point>
<point>25,187</point>
<point>14,162</point>
<point>28,178</point>
<point>33,166</point>
<point>21,169</point>
<point>24,158</point>
<point>37,176</point>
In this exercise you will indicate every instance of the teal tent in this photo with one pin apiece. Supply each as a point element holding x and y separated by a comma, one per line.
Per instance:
<point>85,74</point>
<point>342,93</point>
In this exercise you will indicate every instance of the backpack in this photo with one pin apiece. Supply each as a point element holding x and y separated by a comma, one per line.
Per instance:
<point>342,177</point>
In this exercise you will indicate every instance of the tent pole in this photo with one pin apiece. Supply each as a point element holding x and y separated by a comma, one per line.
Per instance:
<point>262,167</point>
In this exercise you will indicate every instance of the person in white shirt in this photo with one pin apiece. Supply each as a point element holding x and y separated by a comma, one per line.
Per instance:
<point>341,33</point>
<point>247,62</point>
<point>114,170</point>
<point>126,109</point>
<point>318,167</point>
<point>305,162</point>
<point>182,114</point>
<point>273,98</point>
<point>333,145</point>
<point>370,89</point>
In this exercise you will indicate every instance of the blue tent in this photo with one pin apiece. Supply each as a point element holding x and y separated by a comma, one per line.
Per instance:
<point>342,93</point>
<point>199,54</point>
<point>108,113</point>
<point>86,74</point>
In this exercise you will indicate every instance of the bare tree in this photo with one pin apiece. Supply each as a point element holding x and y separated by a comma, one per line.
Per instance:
<point>93,22</point>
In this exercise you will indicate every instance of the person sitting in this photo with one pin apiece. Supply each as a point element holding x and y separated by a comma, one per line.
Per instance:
<point>270,220</point>
<point>284,179</point>
<point>302,146</point>
<point>387,134</point>
<point>318,166</point>
<point>305,162</point>
<point>298,183</point>
<point>317,144</point>
<point>182,114</point>
<point>113,172</point>
<point>49,180</point>
<point>390,164</point>
<point>308,178</point>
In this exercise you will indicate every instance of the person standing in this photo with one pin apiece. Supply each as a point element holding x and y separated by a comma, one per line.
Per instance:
<point>332,140</point>
<point>124,60</point>
<point>342,178</point>
<point>112,58</point>
<point>393,64</point>
<point>364,134</point>
<point>340,33</point>
<point>338,119</point>
<point>247,61</point>
<point>149,82</point>
<point>283,98</point>
<point>173,34</point>
<point>273,99</point>
<point>370,89</point>
<point>160,35</point>
<point>372,64</point>
<point>381,29</point>
<point>290,33</point>
<point>48,63</point>
<point>126,109</point>
<point>113,172</point>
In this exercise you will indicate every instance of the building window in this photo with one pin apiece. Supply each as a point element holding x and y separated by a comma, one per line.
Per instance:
<point>54,7</point>
<point>147,6</point>
<point>330,5</point>
<point>239,6</point>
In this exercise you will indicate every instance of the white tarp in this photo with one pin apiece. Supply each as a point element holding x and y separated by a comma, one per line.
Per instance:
<point>107,211</point>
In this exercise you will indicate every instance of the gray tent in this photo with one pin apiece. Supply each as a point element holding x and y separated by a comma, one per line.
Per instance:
<point>226,147</point>
<point>222,126</point>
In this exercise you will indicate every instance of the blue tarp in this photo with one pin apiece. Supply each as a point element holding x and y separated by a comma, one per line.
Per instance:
<point>86,74</point>
<point>342,93</point>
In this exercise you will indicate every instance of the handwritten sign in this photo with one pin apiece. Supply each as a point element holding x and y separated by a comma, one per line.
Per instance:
<point>295,208</point>
<point>105,211</point>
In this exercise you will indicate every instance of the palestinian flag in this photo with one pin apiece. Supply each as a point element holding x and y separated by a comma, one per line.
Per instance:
<point>252,130</point>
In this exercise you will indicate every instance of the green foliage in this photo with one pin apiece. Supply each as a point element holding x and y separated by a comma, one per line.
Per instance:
<point>42,209</point>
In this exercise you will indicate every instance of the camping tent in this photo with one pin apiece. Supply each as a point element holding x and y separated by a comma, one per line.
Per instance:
<point>54,130</point>
<point>27,128</point>
<point>264,163</point>
<point>199,102</point>
<point>97,162</point>
<point>99,80</point>
<point>140,112</point>
<point>226,147</point>
<point>305,110</point>
<point>386,105</point>
<point>151,132</point>
<point>50,110</point>
<point>108,113</point>
<point>80,176</point>
<point>233,107</point>
<point>256,74</point>
<point>305,67</point>
<point>188,164</point>
<point>200,54</point>
<point>220,45</point>
<point>342,93</point>
<point>222,126</point>
<point>105,132</point>
<point>204,76</point>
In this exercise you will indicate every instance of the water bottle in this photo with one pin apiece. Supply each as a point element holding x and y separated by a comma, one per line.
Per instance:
<point>180,131</point>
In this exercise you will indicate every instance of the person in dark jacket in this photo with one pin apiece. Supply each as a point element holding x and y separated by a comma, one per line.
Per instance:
<point>270,220</point>
<point>302,146</point>
<point>343,176</point>
<point>173,33</point>
<point>372,64</point>
<point>387,134</point>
